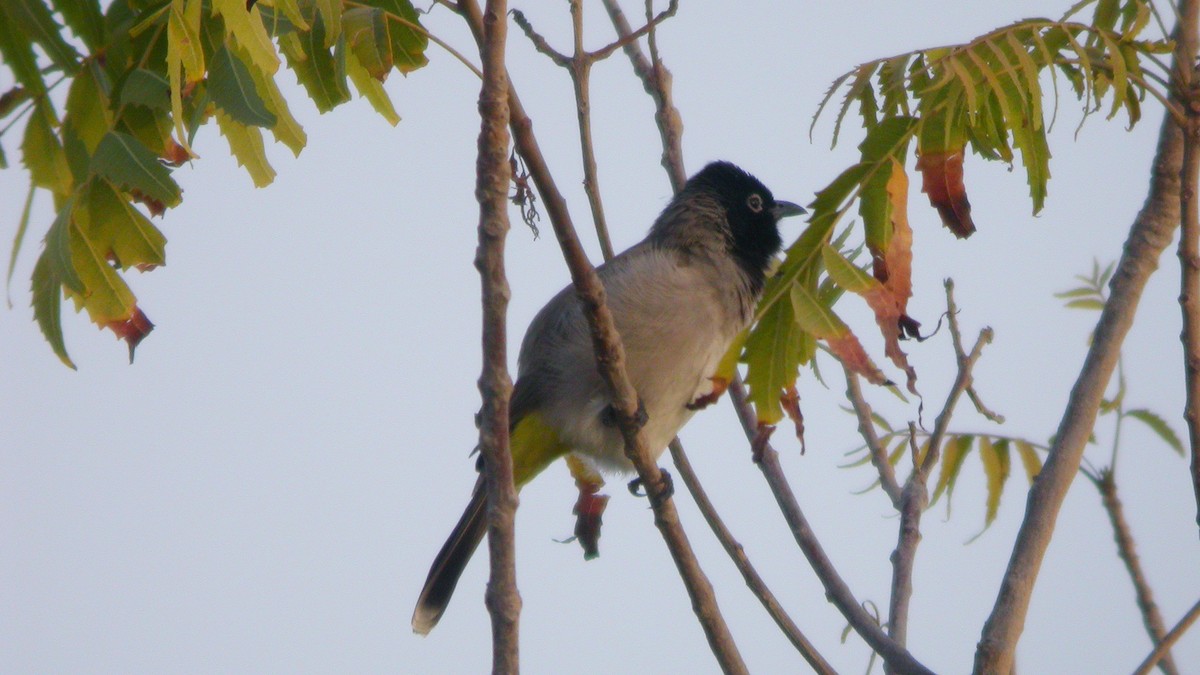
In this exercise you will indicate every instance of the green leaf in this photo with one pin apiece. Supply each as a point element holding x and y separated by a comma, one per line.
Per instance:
<point>106,296</point>
<point>151,128</point>
<point>17,51</point>
<point>130,165</point>
<point>370,88</point>
<point>996,469</point>
<point>1077,293</point>
<point>845,273</point>
<point>58,247</point>
<point>315,67</point>
<point>145,88</point>
<point>286,129</point>
<point>772,358</point>
<point>1029,459</point>
<point>85,20</point>
<point>1086,303</point>
<point>248,31</point>
<point>330,12</point>
<point>43,155</point>
<point>954,452</point>
<point>19,239</point>
<point>232,89</point>
<point>246,144</point>
<point>1159,426</point>
<point>117,227</point>
<point>366,31</point>
<point>812,316</point>
<point>88,107</point>
<point>32,17</point>
<point>408,40</point>
<point>47,306</point>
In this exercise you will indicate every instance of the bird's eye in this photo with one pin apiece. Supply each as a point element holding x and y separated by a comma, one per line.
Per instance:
<point>755,203</point>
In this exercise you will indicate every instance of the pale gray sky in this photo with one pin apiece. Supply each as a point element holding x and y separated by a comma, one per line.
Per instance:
<point>264,489</point>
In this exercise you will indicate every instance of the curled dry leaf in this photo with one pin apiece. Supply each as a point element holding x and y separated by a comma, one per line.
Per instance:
<point>942,181</point>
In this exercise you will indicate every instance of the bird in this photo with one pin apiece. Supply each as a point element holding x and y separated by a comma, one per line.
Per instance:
<point>678,298</point>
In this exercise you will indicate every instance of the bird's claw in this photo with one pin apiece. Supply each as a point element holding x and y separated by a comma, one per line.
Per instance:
<point>609,416</point>
<point>665,492</point>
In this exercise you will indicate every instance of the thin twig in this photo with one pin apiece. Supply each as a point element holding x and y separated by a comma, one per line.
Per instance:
<point>1189,273</point>
<point>915,496</point>
<point>1150,233</point>
<point>656,79</point>
<point>1106,484</point>
<point>1170,639</point>
<point>580,68</point>
<point>836,591</point>
<point>866,428</point>
<point>736,553</point>
<point>492,179</point>
<point>610,360</point>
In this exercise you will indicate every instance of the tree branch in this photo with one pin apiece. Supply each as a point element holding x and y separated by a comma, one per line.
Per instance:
<point>656,79</point>
<point>1106,484</point>
<point>492,178</point>
<point>915,496</point>
<point>866,428</point>
<point>1189,257</point>
<point>1170,639</point>
<point>610,360</point>
<point>896,656</point>
<point>1150,234</point>
<point>738,554</point>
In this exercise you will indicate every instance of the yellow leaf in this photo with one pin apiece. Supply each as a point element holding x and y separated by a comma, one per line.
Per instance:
<point>371,89</point>
<point>1029,459</point>
<point>995,468</point>
<point>183,36</point>
<point>286,129</point>
<point>248,31</point>
<point>246,144</point>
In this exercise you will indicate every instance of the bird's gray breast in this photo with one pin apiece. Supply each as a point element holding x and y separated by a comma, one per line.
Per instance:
<point>677,314</point>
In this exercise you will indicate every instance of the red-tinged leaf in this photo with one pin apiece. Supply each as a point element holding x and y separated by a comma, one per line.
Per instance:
<point>154,206</point>
<point>850,352</point>
<point>942,182</point>
<point>132,330</point>
<point>893,269</point>
<point>176,154</point>
<point>790,400</point>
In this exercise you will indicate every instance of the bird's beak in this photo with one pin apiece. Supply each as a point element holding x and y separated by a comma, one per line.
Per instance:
<point>785,209</point>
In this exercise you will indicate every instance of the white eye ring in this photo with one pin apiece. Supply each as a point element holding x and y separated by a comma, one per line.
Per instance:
<point>755,203</point>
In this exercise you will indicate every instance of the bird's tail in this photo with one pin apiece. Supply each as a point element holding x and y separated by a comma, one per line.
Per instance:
<point>450,562</point>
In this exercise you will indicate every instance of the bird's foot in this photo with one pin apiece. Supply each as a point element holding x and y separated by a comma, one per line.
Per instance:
<point>666,488</point>
<point>610,414</point>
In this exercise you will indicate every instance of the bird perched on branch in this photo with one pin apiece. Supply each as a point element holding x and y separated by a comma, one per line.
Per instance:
<point>678,298</point>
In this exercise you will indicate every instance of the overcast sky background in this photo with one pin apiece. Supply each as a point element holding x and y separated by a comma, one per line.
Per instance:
<point>264,489</point>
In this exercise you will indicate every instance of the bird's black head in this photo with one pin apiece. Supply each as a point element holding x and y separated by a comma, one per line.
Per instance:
<point>752,213</point>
